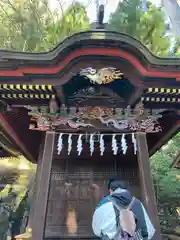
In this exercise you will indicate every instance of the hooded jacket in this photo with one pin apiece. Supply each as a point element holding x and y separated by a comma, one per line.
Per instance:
<point>106,216</point>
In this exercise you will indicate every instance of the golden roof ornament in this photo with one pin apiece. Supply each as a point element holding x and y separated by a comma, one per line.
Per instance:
<point>102,76</point>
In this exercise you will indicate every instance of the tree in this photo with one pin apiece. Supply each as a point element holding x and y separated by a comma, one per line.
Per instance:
<point>148,27</point>
<point>73,20</point>
<point>30,25</point>
<point>165,176</point>
<point>23,27</point>
<point>126,17</point>
<point>167,185</point>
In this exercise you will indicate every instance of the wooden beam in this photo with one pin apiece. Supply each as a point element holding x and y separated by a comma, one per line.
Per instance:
<point>32,196</point>
<point>146,181</point>
<point>60,94</point>
<point>10,131</point>
<point>176,160</point>
<point>136,95</point>
<point>43,188</point>
<point>172,131</point>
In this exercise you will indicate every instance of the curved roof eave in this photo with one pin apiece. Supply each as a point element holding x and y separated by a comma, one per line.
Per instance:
<point>107,39</point>
<point>11,137</point>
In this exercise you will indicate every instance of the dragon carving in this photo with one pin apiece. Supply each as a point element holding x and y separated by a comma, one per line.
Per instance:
<point>85,116</point>
<point>107,117</point>
<point>102,76</point>
<point>47,122</point>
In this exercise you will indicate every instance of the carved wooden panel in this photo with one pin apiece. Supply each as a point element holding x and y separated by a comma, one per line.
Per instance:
<point>75,189</point>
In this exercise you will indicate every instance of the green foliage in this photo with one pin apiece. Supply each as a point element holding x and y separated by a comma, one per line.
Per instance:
<point>126,18</point>
<point>165,176</point>
<point>148,27</point>
<point>72,21</point>
<point>30,25</point>
<point>167,185</point>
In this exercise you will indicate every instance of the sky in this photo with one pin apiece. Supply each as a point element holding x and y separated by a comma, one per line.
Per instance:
<point>91,6</point>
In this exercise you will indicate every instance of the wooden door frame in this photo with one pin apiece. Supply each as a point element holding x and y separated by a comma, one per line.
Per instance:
<point>146,181</point>
<point>43,175</point>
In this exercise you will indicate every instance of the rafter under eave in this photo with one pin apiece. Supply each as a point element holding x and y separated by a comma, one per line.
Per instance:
<point>10,132</point>
<point>172,131</point>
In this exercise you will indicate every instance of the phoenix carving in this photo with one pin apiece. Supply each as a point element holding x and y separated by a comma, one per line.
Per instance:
<point>102,76</point>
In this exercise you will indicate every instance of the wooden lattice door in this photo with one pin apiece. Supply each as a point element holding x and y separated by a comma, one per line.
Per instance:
<point>76,187</point>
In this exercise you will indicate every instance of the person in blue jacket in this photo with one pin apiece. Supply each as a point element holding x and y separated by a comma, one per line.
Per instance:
<point>105,217</point>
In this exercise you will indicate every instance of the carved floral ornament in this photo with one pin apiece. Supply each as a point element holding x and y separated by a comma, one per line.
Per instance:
<point>138,119</point>
<point>101,76</point>
<point>118,143</point>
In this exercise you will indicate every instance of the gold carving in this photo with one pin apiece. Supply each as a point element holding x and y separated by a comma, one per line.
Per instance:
<point>95,112</point>
<point>102,76</point>
<point>108,75</point>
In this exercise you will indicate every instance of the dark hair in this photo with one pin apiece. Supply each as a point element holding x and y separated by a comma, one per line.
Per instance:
<point>115,183</point>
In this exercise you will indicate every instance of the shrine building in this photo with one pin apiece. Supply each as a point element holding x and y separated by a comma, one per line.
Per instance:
<point>98,105</point>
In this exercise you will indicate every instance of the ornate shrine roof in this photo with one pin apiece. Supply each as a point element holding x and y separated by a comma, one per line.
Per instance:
<point>90,69</point>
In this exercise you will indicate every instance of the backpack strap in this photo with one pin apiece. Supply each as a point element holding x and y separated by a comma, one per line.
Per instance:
<point>114,203</point>
<point>131,203</point>
<point>118,207</point>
